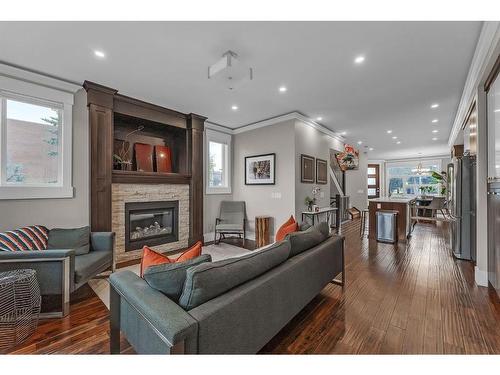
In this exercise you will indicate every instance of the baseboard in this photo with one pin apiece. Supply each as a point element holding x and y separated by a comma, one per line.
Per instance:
<point>481,277</point>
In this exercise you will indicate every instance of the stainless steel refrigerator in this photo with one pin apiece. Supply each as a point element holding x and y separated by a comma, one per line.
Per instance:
<point>462,179</point>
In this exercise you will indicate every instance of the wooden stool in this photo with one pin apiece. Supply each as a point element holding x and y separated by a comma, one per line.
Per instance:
<point>262,225</point>
<point>364,216</point>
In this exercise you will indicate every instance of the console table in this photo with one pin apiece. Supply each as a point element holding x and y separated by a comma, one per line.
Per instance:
<point>327,211</point>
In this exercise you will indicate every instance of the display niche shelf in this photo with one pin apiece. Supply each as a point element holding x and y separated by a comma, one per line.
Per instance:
<point>129,131</point>
<point>115,118</point>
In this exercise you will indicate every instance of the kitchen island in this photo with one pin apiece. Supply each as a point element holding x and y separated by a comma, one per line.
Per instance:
<point>399,204</point>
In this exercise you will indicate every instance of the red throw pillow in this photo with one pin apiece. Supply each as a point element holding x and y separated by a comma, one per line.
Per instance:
<point>280,234</point>
<point>153,258</point>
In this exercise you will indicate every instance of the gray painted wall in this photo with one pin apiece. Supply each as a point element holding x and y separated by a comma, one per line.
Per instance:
<point>314,143</point>
<point>67,212</point>
<point>277,200</point>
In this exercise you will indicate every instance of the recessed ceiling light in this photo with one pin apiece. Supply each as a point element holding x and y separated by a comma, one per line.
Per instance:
<point>435,105</point>
<point>434,139</point>
<point>435,131</point>
<point>371,149</point>
<point>360,142</point>
<point>359,59</point>
<point>435,120</point>
<point>389,131</point>
<point>234,107</point>
<point>319,118</point>
<point>497,110</point>
<point>282,89</point>
<point>99,54</point>
<point>398,142</point>
<point>344,133</point>
<point>394,137</point>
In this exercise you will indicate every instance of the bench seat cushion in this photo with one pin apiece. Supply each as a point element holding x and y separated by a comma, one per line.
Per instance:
<point>87,266</point>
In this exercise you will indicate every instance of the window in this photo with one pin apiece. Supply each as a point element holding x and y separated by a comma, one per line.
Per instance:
<point>218,166</point>
<point>404,179</point>
<point>35,141</point>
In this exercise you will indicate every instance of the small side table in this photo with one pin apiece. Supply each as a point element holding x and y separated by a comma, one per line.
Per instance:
<point>262,227</point>
<point>19,308</point>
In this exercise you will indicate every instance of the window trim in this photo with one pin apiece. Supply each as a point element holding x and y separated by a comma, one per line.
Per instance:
<point>33,93</point>
<point>226,139</point>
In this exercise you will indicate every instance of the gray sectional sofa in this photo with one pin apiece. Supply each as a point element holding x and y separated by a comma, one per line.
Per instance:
<point>231,306</point>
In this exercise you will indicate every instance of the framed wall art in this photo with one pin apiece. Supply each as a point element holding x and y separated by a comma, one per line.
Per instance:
<point>260,169</point>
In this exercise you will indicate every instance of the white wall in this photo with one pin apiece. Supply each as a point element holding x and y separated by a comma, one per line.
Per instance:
<point>277,200</point>
<point>356,183</point>
<point>312,142</point>
<point>64,212</point>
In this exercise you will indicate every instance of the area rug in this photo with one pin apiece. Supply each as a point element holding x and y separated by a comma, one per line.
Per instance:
<point>218,252</point>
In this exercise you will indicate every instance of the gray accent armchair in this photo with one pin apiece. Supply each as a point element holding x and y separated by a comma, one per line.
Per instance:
<point>231,220</point>
<point>60,272</point>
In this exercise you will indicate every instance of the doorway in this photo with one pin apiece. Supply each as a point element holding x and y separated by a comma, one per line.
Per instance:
<point>373,179</point>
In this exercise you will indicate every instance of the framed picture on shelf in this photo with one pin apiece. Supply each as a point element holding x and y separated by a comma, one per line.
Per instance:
<point>260,169</point>
<point>307,168</point>
<point>321,171</point>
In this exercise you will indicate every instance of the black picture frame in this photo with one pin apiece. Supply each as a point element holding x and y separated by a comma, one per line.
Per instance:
<point>272,169</point>
<point>307,169</point>
<point>321,171</point>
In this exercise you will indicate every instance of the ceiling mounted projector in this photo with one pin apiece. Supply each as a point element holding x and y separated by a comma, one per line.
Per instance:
<point>230,71</point>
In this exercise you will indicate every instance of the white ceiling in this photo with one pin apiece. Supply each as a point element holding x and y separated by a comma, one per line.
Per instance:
<point>408,66</point>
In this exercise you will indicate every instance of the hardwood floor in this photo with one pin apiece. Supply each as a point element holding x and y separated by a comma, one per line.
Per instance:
<point>407,299</point>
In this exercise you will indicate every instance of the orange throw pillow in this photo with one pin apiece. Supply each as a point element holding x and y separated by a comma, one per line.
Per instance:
<point>289,226</point>
<point>153,258</point>
<point>193,252</point>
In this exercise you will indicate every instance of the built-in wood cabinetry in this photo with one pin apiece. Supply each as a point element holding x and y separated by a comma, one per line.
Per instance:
<point>110,113</point>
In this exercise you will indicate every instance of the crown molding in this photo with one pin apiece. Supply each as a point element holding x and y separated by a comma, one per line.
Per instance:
<point>30,76</point>
<point>482,59</point>
<point>292,116</point>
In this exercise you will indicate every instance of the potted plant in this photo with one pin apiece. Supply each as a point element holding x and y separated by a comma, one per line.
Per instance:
<point>309,203</point>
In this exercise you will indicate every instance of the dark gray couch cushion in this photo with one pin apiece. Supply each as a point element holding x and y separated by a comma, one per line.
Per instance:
<point>74,238</point>
<point>209,280</point>
<point>302,241</point>
<point>88,265</point>
<point>169,278</point>
<point>304,226</point>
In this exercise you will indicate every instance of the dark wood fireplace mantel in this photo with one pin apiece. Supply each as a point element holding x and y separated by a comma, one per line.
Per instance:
<point>105,106</point>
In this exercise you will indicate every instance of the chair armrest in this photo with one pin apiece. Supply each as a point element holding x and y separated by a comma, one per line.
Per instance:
<point>171,323</point>
<point>102,241</point>
<point>35,255</point>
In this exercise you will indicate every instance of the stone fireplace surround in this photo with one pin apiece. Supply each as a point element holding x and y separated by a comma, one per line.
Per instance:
<point>122,193</point>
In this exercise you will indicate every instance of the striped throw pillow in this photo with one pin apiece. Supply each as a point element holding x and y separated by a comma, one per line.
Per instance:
<point>34,237</point>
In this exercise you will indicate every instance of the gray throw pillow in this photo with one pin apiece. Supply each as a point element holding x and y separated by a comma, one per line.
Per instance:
<point>74,238</point>
<point>302,241</point>
<point>169,278</point>
<point>209,280</point>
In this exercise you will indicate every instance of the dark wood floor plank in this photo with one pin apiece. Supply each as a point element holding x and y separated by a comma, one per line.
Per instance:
<point>404,298</point>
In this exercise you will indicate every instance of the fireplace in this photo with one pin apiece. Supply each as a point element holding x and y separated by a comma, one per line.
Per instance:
<point>151,223</point>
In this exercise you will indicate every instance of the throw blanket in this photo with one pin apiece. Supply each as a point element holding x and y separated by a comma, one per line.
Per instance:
<point>34,237</point>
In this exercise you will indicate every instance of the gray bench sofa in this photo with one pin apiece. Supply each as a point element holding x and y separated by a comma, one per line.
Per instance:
<point>60,271</point>
<point>272,286</point>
